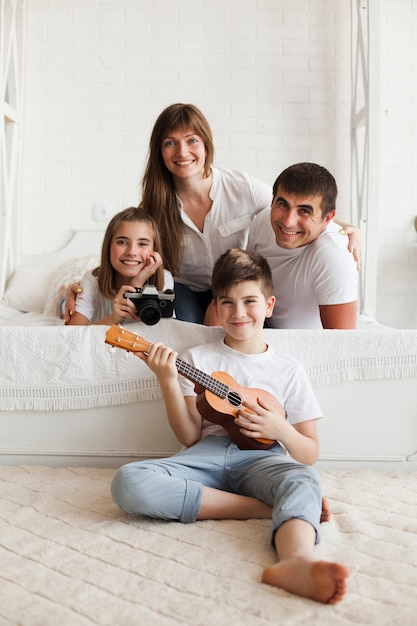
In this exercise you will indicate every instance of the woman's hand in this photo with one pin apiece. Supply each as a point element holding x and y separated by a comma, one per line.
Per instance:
<point>70,298</point>
<point>354,235</point>
<point>354,246</point>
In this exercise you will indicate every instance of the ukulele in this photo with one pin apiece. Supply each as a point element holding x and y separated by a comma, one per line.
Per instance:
<point>220,396</point>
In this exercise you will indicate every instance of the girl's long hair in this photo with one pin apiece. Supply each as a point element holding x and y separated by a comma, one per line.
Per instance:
<point>158,189</point>
<point>105,273</point>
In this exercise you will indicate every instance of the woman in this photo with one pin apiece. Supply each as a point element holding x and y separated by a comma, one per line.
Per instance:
<point>201,210</point>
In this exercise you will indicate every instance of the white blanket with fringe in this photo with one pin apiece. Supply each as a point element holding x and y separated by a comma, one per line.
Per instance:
<point>67,368</point>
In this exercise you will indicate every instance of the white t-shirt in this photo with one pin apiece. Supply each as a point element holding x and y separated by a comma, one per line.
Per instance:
<point>94,306</point>
<point>323,272</point>
<point>236,198</point>
<point>280,375</point>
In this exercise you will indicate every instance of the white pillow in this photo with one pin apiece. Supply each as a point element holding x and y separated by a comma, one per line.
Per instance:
<point>69,272</point>
<point>28,288</point>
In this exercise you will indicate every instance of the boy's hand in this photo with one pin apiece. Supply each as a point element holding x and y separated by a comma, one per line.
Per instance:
<point>162,361</point>
<point>260,421</point>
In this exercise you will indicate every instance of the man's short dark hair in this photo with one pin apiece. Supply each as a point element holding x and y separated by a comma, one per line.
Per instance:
<point>309,179</point>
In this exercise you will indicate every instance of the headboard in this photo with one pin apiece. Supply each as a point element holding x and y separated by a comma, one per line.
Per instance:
<point>33,287</point>
<point>82,243</point>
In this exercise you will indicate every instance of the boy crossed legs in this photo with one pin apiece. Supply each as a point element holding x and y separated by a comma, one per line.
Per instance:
<point>212,478</point>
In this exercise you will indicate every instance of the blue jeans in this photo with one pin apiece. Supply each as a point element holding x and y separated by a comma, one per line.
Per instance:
<point>171,489</point>
<point>190,306</point>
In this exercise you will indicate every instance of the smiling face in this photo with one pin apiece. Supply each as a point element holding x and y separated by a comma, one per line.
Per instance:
<point>130,247</point>
<point>184,153</point>
<point>297,220</point>
<point>242,313</point>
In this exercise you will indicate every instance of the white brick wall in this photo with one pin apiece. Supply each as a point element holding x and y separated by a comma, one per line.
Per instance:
<point>397,254</point>
<point>272,77</point>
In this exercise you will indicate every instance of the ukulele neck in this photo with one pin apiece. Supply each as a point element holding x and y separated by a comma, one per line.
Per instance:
<point>131,342</point>
<point>201,378</point>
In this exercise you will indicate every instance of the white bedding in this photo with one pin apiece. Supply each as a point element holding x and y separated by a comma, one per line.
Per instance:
<point>71,367</point>
<point>31,293</point>
<point>64,397</point>
<point>10,316</point>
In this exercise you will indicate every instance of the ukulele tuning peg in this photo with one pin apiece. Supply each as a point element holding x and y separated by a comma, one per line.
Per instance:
<point>112,350</point>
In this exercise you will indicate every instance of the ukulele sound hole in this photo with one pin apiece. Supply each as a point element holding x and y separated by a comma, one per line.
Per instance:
<point>234,398</point>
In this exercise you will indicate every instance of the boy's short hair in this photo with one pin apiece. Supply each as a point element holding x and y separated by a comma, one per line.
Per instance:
<point>236,266</point>
<point>309,179</point>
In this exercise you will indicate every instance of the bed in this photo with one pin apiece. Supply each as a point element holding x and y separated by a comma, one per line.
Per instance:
<point>31,292</point>
<point>65,399</point>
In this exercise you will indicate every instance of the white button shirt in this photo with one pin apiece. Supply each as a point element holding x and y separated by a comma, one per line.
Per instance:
<point>236,198</point>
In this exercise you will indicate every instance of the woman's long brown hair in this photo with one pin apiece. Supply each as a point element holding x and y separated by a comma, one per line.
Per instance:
<point>158,190</point>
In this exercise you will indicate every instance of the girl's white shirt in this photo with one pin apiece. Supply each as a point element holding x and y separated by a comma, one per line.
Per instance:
<point>94,306</point>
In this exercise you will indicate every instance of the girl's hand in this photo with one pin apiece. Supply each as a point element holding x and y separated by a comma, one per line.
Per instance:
<point>124,308</point>
<point>147,269</point>
<point>257,420</point>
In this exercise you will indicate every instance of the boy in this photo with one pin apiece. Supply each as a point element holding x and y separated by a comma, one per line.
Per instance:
<point>212,478</point>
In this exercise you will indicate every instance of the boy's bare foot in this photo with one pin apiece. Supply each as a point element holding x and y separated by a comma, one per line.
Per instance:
<point>326,513</point>
<point>318,580</point>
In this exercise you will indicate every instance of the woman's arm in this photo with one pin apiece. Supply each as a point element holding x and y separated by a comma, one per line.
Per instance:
<point>70,299</point>
<point>77,319</point>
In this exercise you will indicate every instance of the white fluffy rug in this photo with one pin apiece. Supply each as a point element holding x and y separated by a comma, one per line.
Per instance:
<point>70,557</point>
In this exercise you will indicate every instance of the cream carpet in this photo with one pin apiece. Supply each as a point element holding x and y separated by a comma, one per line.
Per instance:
<point>70,557</point>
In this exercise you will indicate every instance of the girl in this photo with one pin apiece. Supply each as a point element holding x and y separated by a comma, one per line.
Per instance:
<point>130,259</point>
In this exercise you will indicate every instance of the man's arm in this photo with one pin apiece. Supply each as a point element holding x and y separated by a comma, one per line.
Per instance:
<point>341,316</point>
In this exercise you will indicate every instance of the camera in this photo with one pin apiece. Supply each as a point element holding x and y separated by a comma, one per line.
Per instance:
<point>152,304</point>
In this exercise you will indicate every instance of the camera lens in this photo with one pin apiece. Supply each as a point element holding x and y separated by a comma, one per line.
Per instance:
<point>149,313</point>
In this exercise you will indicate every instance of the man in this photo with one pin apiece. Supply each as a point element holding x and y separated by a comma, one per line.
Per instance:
<point>314,274</point>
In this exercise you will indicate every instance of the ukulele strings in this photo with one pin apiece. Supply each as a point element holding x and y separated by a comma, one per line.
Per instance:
<point>133,342</point>
<point>205,380</point>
